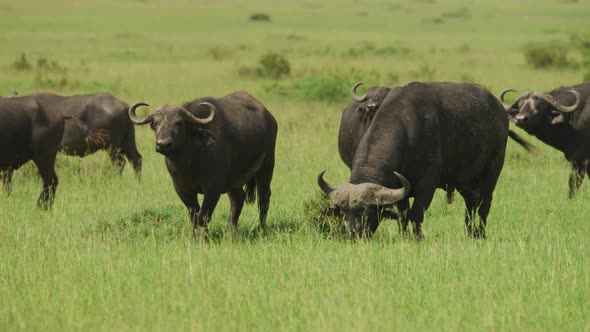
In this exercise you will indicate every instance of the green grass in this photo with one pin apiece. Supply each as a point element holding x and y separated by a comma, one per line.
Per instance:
<point>114,254</point>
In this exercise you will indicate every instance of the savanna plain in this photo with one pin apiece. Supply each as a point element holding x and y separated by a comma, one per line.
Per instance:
<point>118,254</point>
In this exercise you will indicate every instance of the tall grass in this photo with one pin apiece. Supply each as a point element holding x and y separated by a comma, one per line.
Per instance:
<point>115,254</point>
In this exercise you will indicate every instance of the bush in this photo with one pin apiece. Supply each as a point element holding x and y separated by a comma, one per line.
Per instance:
<point>43,64</point>
<point>273,65</point>
<point>582,42</point>
<point>326,88</point>
<point>260,17</point>
<point>219,53</point>
<point>165,223</point>
<point>321,218</point>
<point>21,63</point>
<point>546,56</point>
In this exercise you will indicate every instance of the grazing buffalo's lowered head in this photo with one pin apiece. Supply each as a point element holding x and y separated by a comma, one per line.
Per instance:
<point>535,108</point>
<point>362,203</point>
<point>173,124</point>
<point>371,100</point>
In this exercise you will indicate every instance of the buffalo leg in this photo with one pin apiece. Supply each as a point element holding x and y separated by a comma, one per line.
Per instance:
<point>50,182</point>
<point>117,159</point>
<point>236,199</point>
<point>6,177</point>
<point>424,193</point>
<point>483,211</point>
<point>263,178</point>
<point>211,197</point>
<point>486,190</point>
<point>576,177</point>
<point>129,149</point>
<point>190,200</point>
<point>450,194</point>
<point>472,201</point>
<point>402,207</point>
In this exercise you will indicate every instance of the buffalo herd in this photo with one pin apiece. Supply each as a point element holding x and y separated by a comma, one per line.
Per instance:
<point>399,143</point>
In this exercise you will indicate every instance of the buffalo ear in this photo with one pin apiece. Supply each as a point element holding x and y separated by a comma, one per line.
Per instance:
<point>512,111</point>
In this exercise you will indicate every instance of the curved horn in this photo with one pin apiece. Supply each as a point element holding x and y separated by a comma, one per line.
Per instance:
<point>212,110</point>
<point>562,108</point>
<point>356,97</point>
<point>387,196</point>
<point>137,120</point>
<point>325,186</point>
<point>502,93</point>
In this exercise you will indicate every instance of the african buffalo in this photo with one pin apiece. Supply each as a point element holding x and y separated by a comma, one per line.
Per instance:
<point>435,134</point>
<point>104,114</point>
<point>31,128</point>
<point>356,118</point>
<point>561,119</point>
<point>214,146</point>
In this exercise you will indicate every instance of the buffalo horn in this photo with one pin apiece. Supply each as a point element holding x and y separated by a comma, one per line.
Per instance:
<point>137,120</point>
<point>562,108</point>
<point>325,186</point>
<point>502,93</point>
<point>356,97</point>
<point>212,110</point>
<point>386,196</point>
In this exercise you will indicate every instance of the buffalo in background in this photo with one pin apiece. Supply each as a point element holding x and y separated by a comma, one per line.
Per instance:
<point>31,128</point>
<point>561,119</point>
<point>214,146</point>
<point>356,118</point>
<point>106,116</point>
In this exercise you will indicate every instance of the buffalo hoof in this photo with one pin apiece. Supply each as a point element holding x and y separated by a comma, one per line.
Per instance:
<point>258,231</point>
<point>201,234</point>
<point>419,236</point>
<point>479,234</point>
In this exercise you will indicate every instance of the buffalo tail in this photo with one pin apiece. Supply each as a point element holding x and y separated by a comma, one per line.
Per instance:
<point>521,141</point>
<point>251,191</point>
<point>91,135</point>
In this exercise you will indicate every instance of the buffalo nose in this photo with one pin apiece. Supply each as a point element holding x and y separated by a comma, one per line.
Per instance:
<point>520,117</point>
<point>163,143</point>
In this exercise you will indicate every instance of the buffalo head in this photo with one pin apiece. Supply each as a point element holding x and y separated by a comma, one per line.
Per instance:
<point>371,99</point>
<point>362,203</point>
<point>172,124</point>
<point>534,108</point>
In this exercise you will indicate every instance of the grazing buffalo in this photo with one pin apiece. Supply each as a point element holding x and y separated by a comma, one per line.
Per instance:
<point>107,116</point>
<point>214,146</point>
<point>438,135</point>
<point>31,128</point>
<point>561,119</point>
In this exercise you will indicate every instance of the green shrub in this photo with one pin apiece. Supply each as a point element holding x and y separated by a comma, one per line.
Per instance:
<point>260,17</point>
<point>327,88</point>
<point>581,41</point>
<point>165,223</point>
<point>321,218</point>
<point>219,53</point>
<point>423,73</point>
<point>21,63</point>
<point>44,64</point>
<point>544,56</point>
<point>273,65</point>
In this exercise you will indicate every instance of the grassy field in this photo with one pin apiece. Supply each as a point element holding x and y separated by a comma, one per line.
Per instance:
<point>115,254</point>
